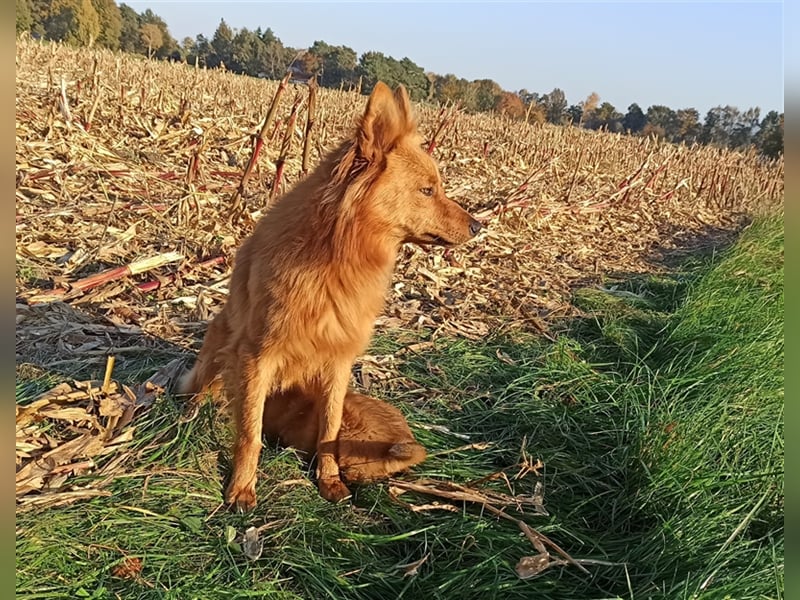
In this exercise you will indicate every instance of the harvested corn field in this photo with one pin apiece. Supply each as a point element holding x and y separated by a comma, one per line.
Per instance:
<point>126,169</point>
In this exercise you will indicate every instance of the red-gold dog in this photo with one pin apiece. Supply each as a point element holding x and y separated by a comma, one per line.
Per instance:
<point>310,281</point>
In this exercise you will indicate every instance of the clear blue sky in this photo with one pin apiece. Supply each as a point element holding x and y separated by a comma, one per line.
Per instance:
<point>681,54</point>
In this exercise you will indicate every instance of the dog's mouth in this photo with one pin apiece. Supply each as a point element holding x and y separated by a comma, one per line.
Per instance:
<point>430,239</point>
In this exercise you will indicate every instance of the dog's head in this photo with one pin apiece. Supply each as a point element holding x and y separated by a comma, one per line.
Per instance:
<point>404,194</point>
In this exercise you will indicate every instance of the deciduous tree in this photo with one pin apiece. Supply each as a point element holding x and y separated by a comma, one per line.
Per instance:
<point>449,89</point>
<point>588,109</point>
<point>110,19</point>
<point>24,16</point>
<point>769,139</point>
<point>574,114</point>
<point>335,64</point>
<point>130,40</point>
<point>689,128</point>
<point>661,121</point>
<point>718,125</point>
<point>376,66</point>
<point>168,46</point>
<point>151,37</point>
<point>487,92</point>
<point>635,119</point>
<point>745,128</point>
<point>510,105</point>
<point>72,21</point>
<point>40,11</point>
<point>555,103</point>
<point>536,113</point>
<point>607,116</point>
<point>278,57</point>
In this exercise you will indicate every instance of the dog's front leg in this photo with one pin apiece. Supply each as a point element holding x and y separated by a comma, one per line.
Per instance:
<point>330,421</point>
<point>250,383</point>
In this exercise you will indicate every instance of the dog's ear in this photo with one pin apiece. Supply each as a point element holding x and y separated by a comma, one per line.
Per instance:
<point>404,107</point>
<point>382,124</point>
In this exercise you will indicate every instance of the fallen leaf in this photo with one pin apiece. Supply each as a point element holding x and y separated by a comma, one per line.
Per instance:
<point>252,545</point>
<point>129,568</point>
<point>42,249</point>
<point>230,534</point>
<point>411,569</point>
<point>531,566</point>
<point>110,406</point>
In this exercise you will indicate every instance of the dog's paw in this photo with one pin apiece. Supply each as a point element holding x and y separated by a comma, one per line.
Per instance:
<point>243,500</point>
<point>333,490</point>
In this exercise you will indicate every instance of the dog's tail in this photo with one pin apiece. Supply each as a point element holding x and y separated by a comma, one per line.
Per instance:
<point>203,376</point>
<point>411,453</point>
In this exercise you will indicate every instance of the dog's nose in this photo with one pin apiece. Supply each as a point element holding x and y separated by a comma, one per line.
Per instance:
<point>475,227</point>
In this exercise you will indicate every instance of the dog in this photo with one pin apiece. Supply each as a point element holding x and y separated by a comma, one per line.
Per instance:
<point>374,440</point>
<point>309,282</point>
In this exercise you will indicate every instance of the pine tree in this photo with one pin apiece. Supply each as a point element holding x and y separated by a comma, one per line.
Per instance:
<point>222,44</point>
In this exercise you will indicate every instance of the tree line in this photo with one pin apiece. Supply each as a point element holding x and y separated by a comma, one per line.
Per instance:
<point>260,53</point>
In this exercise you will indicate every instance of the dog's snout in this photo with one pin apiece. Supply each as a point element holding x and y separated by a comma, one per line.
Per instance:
<point>475,227</point>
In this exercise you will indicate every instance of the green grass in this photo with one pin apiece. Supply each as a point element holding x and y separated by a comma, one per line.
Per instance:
<point>27,271</point>
<point>659,418</point>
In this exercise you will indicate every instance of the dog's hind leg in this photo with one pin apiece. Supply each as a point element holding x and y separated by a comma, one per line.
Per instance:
<point>249,381</point>
<point>330,422</point>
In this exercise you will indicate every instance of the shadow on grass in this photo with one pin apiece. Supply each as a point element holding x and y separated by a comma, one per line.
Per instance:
<point>58,341</point>
<point>638,441</point>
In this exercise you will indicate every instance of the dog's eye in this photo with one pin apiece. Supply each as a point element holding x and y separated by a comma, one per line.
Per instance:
<point>427,191</point>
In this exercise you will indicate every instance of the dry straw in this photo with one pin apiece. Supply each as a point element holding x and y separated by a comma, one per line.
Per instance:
<point>563,206</point>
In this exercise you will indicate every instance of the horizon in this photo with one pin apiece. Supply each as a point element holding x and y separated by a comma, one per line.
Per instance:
<point>726,53</point>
